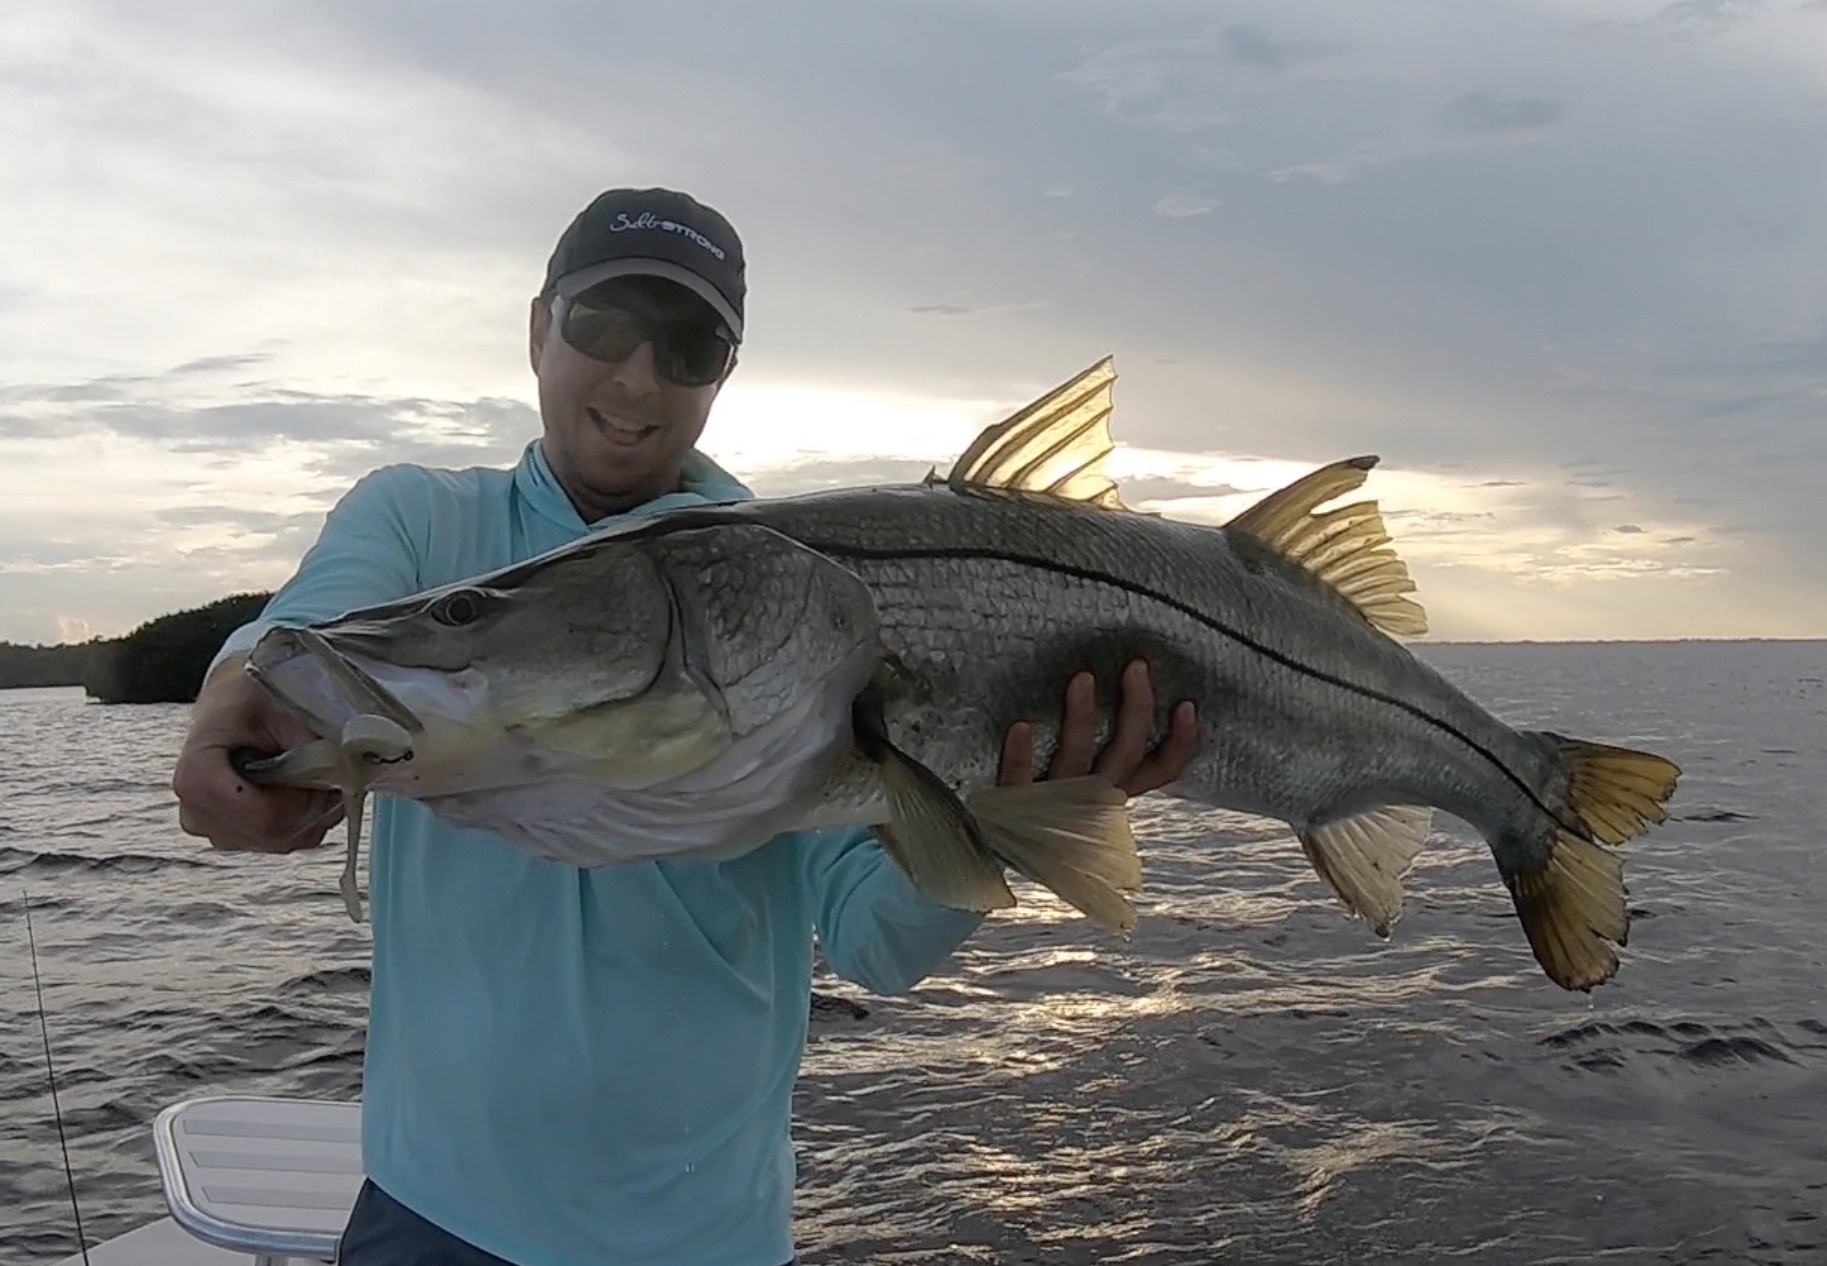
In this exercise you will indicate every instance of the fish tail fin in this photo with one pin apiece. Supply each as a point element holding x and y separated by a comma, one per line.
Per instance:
<point>1071,836</point>
<point>1616,792</point>
<point>1573,906</point>
<point>1364,857</point>
<point>1573,910</point>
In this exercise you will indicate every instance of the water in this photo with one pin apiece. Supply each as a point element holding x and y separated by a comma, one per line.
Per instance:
<point>1253,1078</point>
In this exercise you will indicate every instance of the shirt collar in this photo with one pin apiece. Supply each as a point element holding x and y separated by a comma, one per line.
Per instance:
<point>705,483</point>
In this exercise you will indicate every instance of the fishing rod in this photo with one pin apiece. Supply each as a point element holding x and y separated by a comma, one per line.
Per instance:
<point>50,1069</point>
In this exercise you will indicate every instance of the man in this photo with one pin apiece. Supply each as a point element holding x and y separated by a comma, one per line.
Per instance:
<point>564,1066</point>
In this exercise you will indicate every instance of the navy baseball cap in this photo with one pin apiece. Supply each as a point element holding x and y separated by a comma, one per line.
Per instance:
<point>654,233</point>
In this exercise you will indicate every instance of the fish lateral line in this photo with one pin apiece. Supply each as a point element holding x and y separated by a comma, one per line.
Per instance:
<point>968,553</point>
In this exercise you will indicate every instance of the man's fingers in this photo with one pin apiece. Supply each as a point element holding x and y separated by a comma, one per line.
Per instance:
<point>1017,755</point>
<point>1168,761</point>
<point>1078,729</point>
<point>1134,719</point>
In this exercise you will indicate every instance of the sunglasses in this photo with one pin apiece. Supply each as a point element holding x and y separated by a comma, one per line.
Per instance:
<point>609,322</point>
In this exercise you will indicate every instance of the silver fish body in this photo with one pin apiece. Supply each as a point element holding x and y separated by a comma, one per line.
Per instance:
<point>699,680</point>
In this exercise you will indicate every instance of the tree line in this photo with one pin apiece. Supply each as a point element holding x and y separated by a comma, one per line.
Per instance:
<point>161,661</point>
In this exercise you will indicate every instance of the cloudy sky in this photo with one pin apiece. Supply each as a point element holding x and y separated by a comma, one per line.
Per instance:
<point>1561,263</point>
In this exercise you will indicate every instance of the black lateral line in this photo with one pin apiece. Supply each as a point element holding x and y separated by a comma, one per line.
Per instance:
<point>973,554</point>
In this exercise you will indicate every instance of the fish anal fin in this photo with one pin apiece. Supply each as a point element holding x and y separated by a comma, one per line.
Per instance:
<point>1347,547</point>
<point>1573,911</point>
<point>1071,836</point>
<point>1616,792</point>
<point>1058,446</point>
<point>1364,857</point>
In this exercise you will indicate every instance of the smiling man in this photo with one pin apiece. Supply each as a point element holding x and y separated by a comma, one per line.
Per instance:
<point>569,1066</point>
<point>622,410</point>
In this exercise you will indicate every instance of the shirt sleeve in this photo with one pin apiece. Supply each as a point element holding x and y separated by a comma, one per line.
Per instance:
<point>875,928</point>
<point>366,554</point>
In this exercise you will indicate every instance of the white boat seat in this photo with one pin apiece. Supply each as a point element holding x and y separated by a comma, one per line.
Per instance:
<point>275,1178</point>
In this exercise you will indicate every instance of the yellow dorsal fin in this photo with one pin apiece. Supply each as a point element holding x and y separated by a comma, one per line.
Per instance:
<point>1346,547</point>
<point>1057,446</point>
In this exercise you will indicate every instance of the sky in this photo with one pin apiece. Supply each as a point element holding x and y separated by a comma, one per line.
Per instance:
<point>1560,264</point>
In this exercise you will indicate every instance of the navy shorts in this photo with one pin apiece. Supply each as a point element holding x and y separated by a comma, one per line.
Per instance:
<point>384,1232</point>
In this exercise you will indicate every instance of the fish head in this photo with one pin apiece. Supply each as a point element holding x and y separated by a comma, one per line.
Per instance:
<point>576,661</point>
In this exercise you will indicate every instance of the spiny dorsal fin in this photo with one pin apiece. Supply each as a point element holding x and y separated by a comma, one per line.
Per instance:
<point>1347,547</point>
<point>1057,446</point>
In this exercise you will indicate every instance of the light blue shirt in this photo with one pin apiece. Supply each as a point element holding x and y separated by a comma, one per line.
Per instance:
<point>595,1067</point>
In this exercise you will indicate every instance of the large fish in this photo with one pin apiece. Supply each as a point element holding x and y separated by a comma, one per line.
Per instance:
<point>697,681</point>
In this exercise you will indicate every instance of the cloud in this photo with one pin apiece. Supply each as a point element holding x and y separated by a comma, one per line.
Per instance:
<point>1247,45</point>
<point>1484,114</point>
<point>268,247</point>
<point>1186,84</point>
<point>1707,15</point>
<point>193,408</point>
<point>1470,121</point>
<point>1179,206</point>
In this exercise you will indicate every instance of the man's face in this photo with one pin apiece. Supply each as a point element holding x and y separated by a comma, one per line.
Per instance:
<point>617,431</point>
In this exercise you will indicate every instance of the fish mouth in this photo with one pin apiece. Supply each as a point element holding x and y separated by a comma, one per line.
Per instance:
<point>360,690</point>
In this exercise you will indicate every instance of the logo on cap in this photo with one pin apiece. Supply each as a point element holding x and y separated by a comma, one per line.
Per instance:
<point>623,222</point>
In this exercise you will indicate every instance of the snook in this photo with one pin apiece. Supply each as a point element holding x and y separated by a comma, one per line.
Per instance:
<point>697,681</point>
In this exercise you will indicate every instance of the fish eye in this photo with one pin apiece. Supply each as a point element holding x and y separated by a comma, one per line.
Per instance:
<point>458,609</point>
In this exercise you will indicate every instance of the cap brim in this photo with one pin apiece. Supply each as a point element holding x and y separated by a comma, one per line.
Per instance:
<point>573,284</point>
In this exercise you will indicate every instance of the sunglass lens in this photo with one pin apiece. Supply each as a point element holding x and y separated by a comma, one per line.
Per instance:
<point>688,352</point>
<point>607,332</point>
<point>692,356</point>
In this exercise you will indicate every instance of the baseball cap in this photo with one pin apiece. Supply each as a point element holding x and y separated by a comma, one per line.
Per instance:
<point>655,233</point>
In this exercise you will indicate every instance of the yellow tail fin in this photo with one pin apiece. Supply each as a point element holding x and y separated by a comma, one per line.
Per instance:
<point>1575,904</point>
<point>1571,908</point>
<point>1616,792</point>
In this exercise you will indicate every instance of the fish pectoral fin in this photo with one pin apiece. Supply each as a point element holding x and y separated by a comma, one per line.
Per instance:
<point>1058,446</point>
<point>936,841</point>
<point>1072,837</point>
<point>1571,908</point>
<point>1364,857</point>
<point>930,835</point>
<point>1347,547</point>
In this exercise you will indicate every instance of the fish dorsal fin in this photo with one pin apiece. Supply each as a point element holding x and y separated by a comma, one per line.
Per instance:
<point>1347,547</point>
<point>1057,446</point>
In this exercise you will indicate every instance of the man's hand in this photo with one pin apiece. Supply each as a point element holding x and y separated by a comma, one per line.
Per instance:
<point>1125,760</point>
<point>216,802</point>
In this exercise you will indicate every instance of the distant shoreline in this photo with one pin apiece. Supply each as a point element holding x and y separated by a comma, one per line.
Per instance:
<point>161,661</point>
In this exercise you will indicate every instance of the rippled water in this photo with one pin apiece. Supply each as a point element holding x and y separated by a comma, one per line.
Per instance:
<point>1253,1078</point>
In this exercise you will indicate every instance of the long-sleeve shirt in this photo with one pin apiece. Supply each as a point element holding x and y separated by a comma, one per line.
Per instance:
<point>586,1067</point>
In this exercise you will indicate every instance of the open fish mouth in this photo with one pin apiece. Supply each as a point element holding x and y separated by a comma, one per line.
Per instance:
<point>360,691</point>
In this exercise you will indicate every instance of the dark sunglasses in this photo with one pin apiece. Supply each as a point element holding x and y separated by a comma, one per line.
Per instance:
<point>609,323</point>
